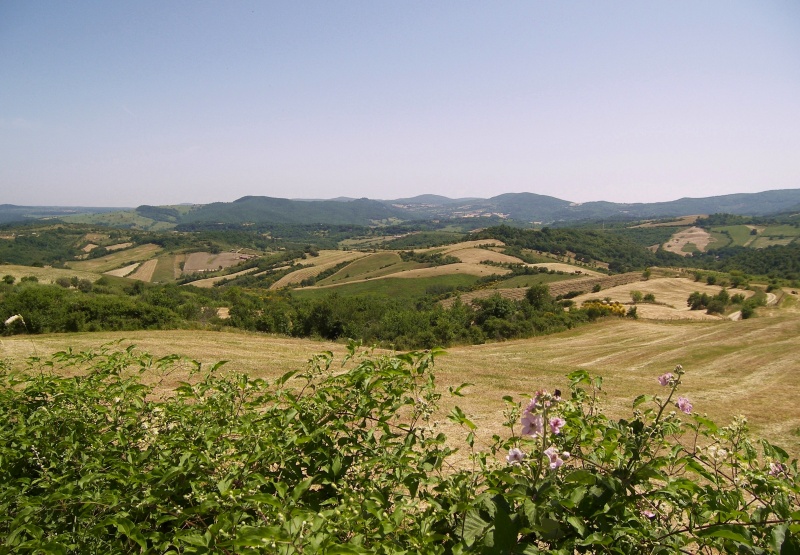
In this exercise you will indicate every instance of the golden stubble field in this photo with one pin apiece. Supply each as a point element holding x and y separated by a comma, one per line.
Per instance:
<point>749,367</point>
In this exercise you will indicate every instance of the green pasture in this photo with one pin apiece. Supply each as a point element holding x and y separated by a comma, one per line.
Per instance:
<point>164,272</point>
<point>739,235</point>
<point>720,240</point>
<point>531,280</point>
<point>397,288</point>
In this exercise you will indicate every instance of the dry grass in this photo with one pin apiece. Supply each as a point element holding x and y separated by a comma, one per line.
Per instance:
<point>45,275</point>
<point>208,262</point>
<point>124,271</point>
<point>670,293</point>
<point>145,271</point>
<point>748,367</point>
<point>568,268</point>
<point>118,246</point>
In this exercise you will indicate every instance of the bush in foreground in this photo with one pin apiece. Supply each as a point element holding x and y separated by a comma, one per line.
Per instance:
<point>348,460</point>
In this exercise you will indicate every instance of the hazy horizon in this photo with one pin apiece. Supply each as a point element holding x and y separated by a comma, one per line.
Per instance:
<point>124,104</point>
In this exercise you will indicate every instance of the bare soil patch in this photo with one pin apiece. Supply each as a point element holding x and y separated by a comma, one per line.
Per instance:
<point>699,237</point>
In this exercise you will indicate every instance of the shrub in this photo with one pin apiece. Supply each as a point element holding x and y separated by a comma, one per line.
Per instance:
<point>348,460</point>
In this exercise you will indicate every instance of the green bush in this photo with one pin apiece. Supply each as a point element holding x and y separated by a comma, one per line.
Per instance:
<point>348,460</point>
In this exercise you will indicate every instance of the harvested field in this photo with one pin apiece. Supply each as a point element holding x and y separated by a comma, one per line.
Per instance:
<point>45,275</point>
<point>670,293</point>
<point>315,265</point>
<point>476,256</point>
<point>89,248</point>
<point>124,271</point>
<point>697,236</point>
<point>208,262</point>
<point>724,362</point>
<point>145,271</point>
<point>209,282</point>
<point>568,268</point>
<point>447,269</point>
<point>556,289</point>
<point>117,259</point>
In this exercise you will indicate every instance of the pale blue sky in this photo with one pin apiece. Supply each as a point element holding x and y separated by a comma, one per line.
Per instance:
<point>127,103</point>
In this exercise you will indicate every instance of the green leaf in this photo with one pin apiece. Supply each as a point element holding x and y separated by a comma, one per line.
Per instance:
<point>302,487</point>
<point>474,526</point>
<point>580,476</point>
<point>728,532</point>
<point>54,547</point>
<point>578,524</point>
<point>126,527</point>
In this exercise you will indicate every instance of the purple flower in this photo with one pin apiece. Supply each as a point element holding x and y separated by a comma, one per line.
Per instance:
<point>666,379</point>
<point>685,405</point>
<point>515,456</point>
<point>554,456</point>
<point>776,469</point>
<point>556,423</point>
<point>649,514</point>
<point>532,424</point>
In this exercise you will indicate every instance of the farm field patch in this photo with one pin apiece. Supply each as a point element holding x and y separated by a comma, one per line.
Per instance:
<point>45,275</point>
<point>116,259</point>
<point>210,262</point>
<point>725,363</point>
<point>696,236</point>
<point>670,293</point>
<point>313,266</point>
<point>124,271</point>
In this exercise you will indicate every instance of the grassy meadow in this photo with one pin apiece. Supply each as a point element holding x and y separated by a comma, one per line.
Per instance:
<point>748,367</point>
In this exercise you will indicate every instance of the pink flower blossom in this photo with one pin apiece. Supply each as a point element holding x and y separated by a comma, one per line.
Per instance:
<point>556,423</point>
<point>554,456</point>
<point>532,424</point>
<point>666,379</point>
<point>776,469</point>
<point>649,514</point>
<point>515,456</point>
<point>685,405</point>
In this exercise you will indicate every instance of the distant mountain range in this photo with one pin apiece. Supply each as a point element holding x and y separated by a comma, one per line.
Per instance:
<point>522,208</point>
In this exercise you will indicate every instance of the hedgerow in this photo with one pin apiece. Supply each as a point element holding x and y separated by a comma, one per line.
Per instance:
<point>97,457</point>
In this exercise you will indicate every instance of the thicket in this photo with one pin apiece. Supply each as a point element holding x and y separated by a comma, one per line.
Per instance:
<point>349,460</point>
<point>621,253</point>
<point>109,305</point>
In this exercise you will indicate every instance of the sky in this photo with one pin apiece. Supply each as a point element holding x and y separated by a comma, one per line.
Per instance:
<point>149,102</point>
